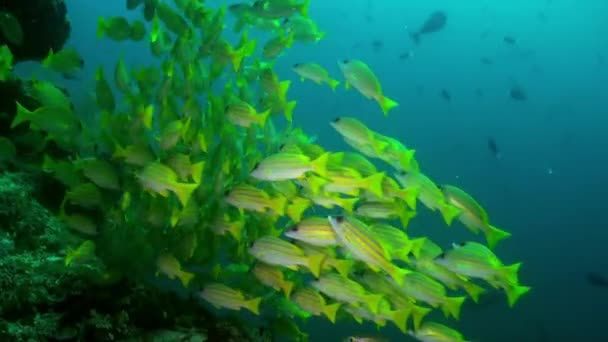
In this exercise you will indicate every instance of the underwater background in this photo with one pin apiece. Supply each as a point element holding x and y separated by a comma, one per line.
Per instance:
<point>507,101</point>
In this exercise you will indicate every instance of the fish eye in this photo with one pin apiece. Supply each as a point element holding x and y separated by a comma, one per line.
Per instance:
<point>336,120</point>
<point>346,61</point>
<point>294,228</point>
<point>339,219</point>
<point>440,256</point>
<point>296,65</point>
<point>227,193</point>
<point>226,108</point>
<point>462,244</point>
<point>256,165</point>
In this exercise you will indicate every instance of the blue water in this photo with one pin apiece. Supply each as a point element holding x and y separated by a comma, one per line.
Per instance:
<point>548,189</point>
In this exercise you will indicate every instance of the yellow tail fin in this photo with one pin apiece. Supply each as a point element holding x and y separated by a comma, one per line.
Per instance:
<point>331,310</point>
<point>253,305</point>
<point>386,104</point>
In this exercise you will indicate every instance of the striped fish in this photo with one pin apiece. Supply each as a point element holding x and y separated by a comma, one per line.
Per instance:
<point>275,251</point>
<point>357,238</point>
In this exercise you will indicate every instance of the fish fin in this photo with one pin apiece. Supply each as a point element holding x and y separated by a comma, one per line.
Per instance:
<point>278,204</point>
<point>348,204</point>
<point>289,107</point>
<point>263,117</point>
<point>23,115</point>
<point>495,235</point>
<point>418,314</point>
<point>344,267</point>
<point>415,36</point>
<point>314,264</point>
<point>373,302</point>
<point>399,318</point>
<point>410,196</point>
<point>253,305</point>
<point>319,165</point>
<point>333,84</point>
<point>283,88</point>
<point>374,184</point>
<point>474,291</point>
<point>183,191</point>
<point>449,213</point>
<point>405,216</point>
<point>185,278</point>
<point>416,246</point>
<point>330,311</point>
<point>386,104</point>
<point>398,274</point>
<point>197,171</point>
<point>346,85</point>
<point>452,306</point>
<point>101,31</point>
<point>514,292</point>
<point>287,287</point>
<point>509,273</point>
<point>297,208</point>
<point>304,8</point>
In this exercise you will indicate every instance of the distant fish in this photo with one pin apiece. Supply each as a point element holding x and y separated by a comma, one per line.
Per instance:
<point>493,147</point>
<point>486,61</point>
<point>509,40</point>
<point>596,279</point>
<point>434,23</point>
<point>377,45</point>
<point>445,95</point>
<point>406,55</point>
<point>517,93</point>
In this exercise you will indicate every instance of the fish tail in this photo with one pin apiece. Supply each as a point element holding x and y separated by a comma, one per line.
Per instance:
<point>22,116</point>
<point>314,264</point>
<point>147,116</point>
<point>304,8</point>
<point>399,318</point>
<point>175,217</point>
<point>333,84</point>
<point>348,204</point>
<point>415,36</point>
<point>283,88</point>
<point>405,216</point>
<point>278,204</point>
<point>235,230</point>
<point>101,27</point>
<point>398,274</point>
<point>183,191</point>
<point>239,25</point>
<point>494,235</point>
<point>316,184</point>
<point>319,165</point>
<point>197,171</point>
<point>452,306</point>
<point>410,196</point>
<point>386,104</point>
<point>289,107</point>
<point>344,267</point>
<point>253,305</point>
<point>263,117</point>
<point>296,209</point>
<point>185,278</point>
<point>449,212</point>
<point>287,287</point>
<point>330,311</point>
<point>474,291</point>
<point>509,273</point>
<point>418,314</point>
<point>373,183</point>
<point>514,292</point>
<point>373,302</point>
<point>417,246</point>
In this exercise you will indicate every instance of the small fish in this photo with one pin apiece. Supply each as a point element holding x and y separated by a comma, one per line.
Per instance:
<point>157,178</point>
<point>346,290</point>
<point>84,251</point>
<point>313,230</point>
<point>509,40</point>
<point>243,114</point>
<point>275,251</point>
<point>493,147</point>
<point>377,44</point>
<point>11,28</point>
<point>361,338</point>
<point>248,197</point>
<point>596,279</point>
<point>517,93</point>
<point>445,95</point>
<point>361,77</point>
<point>222,296</point>
<point>285,166</point>
<point>66,61</point>
<point>170,266</point>
<point>435,332</point>
<point>310,300</point>
<point>435,22</point>
<point>358,239</point>
<point>273,277</point>
<point>315,73</point>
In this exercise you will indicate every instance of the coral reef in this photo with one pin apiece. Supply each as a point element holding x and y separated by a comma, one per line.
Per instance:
<point>43,300</point>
